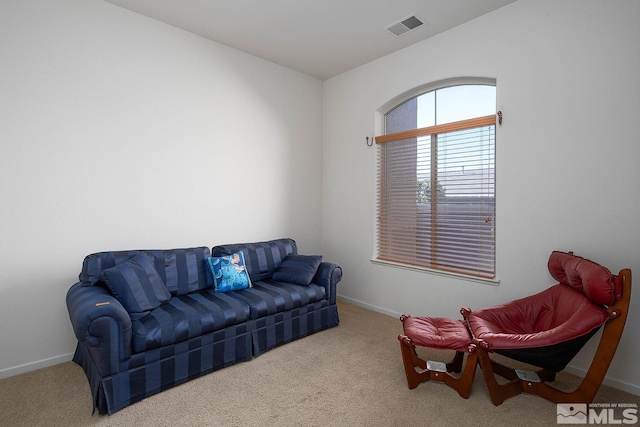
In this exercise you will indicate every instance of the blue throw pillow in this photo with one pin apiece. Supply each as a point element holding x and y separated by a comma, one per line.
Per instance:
<point>229,272</point>
<point>299,269</point>
<point>136,284</point>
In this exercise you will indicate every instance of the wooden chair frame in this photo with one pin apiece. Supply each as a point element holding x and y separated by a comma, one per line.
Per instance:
<point>462,384</point>
<point>586,391</point>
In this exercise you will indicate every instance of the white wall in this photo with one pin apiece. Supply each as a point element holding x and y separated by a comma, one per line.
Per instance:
<point>120,132</point>
<point>567,156</point>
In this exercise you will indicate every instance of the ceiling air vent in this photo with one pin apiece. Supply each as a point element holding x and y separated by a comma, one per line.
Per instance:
<point>404,26</point>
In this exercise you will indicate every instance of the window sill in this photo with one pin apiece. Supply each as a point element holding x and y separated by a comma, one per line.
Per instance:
<point>492,282</point>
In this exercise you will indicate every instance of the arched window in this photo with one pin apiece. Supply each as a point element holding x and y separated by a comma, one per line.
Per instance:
<point>436,180</point>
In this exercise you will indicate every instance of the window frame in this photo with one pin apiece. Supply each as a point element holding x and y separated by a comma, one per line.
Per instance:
<point>489,120</point>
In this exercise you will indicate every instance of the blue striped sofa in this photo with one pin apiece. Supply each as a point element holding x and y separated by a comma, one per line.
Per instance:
<point>129,357</point>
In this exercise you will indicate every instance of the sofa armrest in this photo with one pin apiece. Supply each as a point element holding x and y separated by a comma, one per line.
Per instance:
<point>328,276</point>
<point>102,324</point>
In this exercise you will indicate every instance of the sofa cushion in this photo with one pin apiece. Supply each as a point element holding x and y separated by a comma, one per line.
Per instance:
<point>181,270</point>
<point>185,317</point>
<point>136,284</point>
<point>299,269</point>
<point>269,297</point>
<point>261,258</point>
<point>229,272</point>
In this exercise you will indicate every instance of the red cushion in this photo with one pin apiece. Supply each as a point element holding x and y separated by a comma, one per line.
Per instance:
<point>593,280</point>
<point>437,332</point>
<point>555,315</point>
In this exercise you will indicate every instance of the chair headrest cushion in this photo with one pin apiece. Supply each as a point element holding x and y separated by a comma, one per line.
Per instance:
<point>593,280</point>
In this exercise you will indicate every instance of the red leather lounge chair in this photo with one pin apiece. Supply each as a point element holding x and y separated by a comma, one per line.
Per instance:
<point>549,328</point>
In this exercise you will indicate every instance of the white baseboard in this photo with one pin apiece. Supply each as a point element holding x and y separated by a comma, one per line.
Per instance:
<point>369,306</point>
<point>611,382</point>
<point>33,366</point>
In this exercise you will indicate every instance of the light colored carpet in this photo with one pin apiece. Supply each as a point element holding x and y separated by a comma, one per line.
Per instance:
<point>351,375</point>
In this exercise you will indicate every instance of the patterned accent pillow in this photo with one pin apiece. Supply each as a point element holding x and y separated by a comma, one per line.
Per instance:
<point>299,269</point>
<point>229,272</point>
<point>136,284</point>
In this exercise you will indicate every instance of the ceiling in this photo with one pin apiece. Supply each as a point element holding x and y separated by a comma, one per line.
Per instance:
<point>321,38</point>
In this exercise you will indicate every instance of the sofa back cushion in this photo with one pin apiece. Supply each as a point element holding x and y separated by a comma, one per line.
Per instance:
<point>261,258</point>
<point>299,269</point>
<point>136,284</point>
<point>182,270</point>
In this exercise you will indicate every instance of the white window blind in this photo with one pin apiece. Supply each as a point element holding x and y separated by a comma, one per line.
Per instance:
<point>436,197</point>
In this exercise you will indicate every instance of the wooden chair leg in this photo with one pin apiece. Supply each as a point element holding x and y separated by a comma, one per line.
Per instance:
<point>461,384</point>
<point>411,360</point>
<point>498,392</point>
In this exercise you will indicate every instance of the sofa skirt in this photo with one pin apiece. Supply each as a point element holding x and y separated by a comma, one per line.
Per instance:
<point>183,361</point>
<point>281,328</point>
